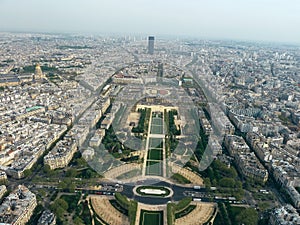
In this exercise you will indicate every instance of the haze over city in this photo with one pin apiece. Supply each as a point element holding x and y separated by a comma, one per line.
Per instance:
<point>258,20</point>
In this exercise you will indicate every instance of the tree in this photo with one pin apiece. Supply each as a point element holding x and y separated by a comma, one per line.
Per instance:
<point>214,182</point>
<point>46,169</point>
<point>71,187</point>
<point>87,174</point>
<point>248,216</point>
<point>207,183</point>
<point>78,221</point>
<point>238,184</point>
<point>43,192</point>
<point>227,182</point>
<point>71,172</point>
<point>62,185</point>
<point>62,203</point>
<point>231,172</point>
<point>59,207</point>
<point>81,162</point>
<point>27,172</point>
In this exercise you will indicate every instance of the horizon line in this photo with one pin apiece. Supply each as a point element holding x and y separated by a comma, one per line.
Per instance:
<point>180,36</point>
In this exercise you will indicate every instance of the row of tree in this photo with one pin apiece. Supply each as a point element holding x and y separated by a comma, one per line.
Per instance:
<point>144,114</point>
<point>173,131</point>
<point>173,208</point>
<point>129,205</point>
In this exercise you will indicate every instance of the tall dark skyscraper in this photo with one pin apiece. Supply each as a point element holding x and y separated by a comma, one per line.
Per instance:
<point>151,45</point>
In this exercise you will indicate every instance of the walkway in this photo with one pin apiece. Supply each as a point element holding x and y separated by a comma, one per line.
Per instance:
<point>147,146</point>
<point>191,176</point>
<point>122,169</point>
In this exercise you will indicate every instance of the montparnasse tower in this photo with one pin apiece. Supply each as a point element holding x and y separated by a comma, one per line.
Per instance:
<point>38,74</point>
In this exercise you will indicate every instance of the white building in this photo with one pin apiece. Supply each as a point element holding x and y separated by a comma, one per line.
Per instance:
<point>285,215</point>
<point>88,154</point>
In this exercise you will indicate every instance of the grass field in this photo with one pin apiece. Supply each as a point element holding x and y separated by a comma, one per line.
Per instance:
<point>156,125</point>
<point>155,129</point>
<point>155,143</point>
<point>151,217</point>
<point>157,121</point>
<point>155,154</point>
<point>154,168</point>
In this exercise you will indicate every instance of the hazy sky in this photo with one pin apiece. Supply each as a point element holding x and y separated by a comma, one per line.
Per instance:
<point>270,20</point>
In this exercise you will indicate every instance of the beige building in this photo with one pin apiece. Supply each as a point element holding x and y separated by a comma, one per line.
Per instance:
<point>95,141</point>
<point>246,160</point>
<point>105,105</point>
<point>3,190</point>
<point>3,177</point>
<point>250,166</point>
<point>18,207</point>
<point>61,154</point>
<point>38,72</point>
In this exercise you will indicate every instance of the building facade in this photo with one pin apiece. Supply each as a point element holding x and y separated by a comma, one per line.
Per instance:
<point>151,45</point>
<point>18,207</point>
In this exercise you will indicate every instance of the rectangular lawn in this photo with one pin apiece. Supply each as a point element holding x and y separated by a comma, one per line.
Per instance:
<point>154,168</point>
<point>155,154</point>
<point>155,129</point>
<point>157,121</point>
<point>156,143</point>
<point>151,218</point>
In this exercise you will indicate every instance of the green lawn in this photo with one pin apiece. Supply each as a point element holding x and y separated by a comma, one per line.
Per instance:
<point>157,121</point>
<point>156,129</point>
<point>156,125</point>
<point>154,168</point>
<point>151,218</point>
<point>155,143</point>
<point>155,154</point>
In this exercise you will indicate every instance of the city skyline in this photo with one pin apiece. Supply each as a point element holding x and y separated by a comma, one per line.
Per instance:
<point>266,20</point>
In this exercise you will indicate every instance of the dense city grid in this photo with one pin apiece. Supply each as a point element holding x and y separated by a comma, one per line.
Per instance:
<point>84,120</point>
